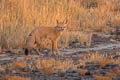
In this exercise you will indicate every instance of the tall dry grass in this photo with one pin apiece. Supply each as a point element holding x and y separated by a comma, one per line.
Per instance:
<point>19,17</point>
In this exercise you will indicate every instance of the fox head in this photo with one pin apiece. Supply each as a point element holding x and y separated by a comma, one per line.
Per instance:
<point>61,25</point>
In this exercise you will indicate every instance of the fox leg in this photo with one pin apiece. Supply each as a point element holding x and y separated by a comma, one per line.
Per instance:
<point>36,49</point>
<point>52,47</point>
<point>56,47</point>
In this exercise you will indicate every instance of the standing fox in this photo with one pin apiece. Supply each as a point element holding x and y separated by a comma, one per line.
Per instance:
<point>41,33</point>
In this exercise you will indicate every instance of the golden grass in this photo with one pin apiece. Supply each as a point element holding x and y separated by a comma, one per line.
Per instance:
<point>83,71</point>
<point>48,71</point>
<point>83,37</point>
<point>100,77</point>
<point>106,61</point>
<point>20,64</point>
<point>101,59</point>
<point>16,21</point>
<point>7,77</point>
<point>111,75</point>
<point>116,71</point>
<point>97,56</point>
<point>52,66</point>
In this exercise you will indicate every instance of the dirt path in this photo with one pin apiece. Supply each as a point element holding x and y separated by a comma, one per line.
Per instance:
<point>10,57</point>
<point>96,48</point>
<point>104,45</point>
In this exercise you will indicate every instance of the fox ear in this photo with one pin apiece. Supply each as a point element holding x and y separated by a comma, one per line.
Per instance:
<point>66,21</point>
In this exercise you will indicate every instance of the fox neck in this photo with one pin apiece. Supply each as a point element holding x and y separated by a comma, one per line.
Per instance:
<point>60,32</point>
<point>59,28</point>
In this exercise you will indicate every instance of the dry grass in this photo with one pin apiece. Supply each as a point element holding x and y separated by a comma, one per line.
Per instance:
<point>45,66</point>
<point>116,71</point>
<point>15,65</point>
<point>97,56</point>
<point>100,77</point>
<point>48,71</point>
<point>16,21</point>
<point>52,66</point>
<point>106,61</point>
<point>82,37</point>
<point>83,71</point>
<point>19,17</point>
<point>7,77</point>
<point>111,75</point>
<point>107,76</point>
<point>20,64</point>
<point>101,59</point>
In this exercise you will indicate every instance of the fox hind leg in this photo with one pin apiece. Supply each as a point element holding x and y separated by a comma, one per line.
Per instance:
<point>36,49</point>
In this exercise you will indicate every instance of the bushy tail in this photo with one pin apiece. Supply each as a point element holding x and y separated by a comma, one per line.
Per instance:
<point>26,51</point>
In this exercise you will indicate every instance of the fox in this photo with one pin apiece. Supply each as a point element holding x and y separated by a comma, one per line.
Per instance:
<point>52,34</point>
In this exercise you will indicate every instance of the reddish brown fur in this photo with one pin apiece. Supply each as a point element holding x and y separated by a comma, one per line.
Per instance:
<point>39,33</point>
